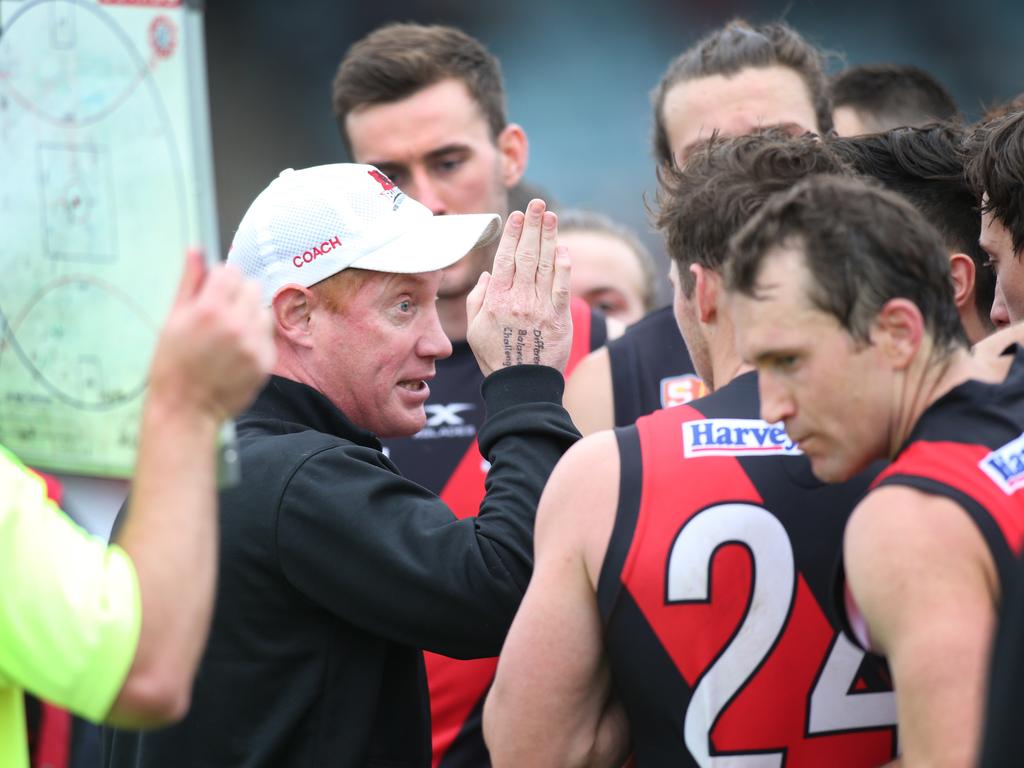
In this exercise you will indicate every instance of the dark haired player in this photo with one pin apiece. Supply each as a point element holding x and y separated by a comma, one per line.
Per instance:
<point>842,301</point>
<point>996,170</point>
<point>736,80</point>
<point>693,570</point>
<point>926,166</point>
<point>878,97</point>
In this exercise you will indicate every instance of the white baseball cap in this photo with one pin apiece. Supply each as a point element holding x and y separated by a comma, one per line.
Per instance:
<point>312,223</point>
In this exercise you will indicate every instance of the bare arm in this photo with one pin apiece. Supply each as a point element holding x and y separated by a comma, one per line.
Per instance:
<point>214,352</point>
<point>551,702</point>
<point>588,393</point>
<point>924,579</point>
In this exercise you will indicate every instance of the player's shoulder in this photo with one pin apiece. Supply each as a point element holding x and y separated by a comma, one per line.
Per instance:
<point>581,494</point>
<point>650,329</point>
<point>897,527</point>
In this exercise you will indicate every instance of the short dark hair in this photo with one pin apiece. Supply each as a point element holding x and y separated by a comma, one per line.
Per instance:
<point>891,96</point>
<point>926,166</point>
<point>737,46</point>
<point>995,168</point>
<point>722,184</point>
<point>397,60</point>
<point>862,246</point>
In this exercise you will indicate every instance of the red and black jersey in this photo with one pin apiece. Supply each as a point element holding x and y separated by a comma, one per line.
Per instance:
<point>715,594</point>
<point>651,368</point>
<point>444,458</point>
<point>969,447</point>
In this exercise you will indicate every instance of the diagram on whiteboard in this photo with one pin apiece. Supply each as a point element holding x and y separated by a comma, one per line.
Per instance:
<point>98,202</point>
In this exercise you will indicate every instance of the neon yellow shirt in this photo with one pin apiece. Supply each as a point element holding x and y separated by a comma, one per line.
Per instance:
<point>70,611</point>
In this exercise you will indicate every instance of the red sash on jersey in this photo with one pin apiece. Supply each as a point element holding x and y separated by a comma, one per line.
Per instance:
<point>712,572</point>
<point>457,686</point>
<point>957,465</point>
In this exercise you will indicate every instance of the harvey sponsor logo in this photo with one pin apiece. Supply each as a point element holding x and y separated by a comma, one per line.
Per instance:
<point>1005,466</point>
<point>736,437</point>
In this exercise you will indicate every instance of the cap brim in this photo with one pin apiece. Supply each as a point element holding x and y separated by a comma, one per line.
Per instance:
<point>435,243</point>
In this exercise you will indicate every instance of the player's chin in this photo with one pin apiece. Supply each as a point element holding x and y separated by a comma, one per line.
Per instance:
<point>829,469</point>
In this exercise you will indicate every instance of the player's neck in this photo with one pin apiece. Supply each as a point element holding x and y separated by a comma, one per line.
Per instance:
<point>451,311</point>
<point>930,377</point>
<point>726,363</point>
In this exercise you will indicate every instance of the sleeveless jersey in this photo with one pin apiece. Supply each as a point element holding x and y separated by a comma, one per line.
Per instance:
<point>969,447</point>
<point>1001,742</point>
<point>651,368</point>
<point>444,457</point>
<point>715,594</point>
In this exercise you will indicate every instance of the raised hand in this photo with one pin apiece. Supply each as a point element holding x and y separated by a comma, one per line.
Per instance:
<point>519,314</point>
<point>216,347</point>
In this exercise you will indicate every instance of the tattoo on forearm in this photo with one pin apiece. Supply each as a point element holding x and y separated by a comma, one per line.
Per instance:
<point>538,345</point>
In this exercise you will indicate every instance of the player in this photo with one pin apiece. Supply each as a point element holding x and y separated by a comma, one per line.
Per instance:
<point>692,573</point>
<point>997,149</point>
<point>611,269</point>
<point>736,80</point>
<point>879,97</point>
<point>926,166</point>
<point>842,298</point>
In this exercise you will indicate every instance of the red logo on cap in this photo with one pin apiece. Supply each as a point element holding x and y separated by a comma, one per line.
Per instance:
<point>381,179</point>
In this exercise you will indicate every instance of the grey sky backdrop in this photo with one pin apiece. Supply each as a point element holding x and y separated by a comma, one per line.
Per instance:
<point>578,75</point>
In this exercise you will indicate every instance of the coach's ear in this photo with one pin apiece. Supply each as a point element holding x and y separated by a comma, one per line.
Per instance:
<point>898,331</point>
<point>515,152</point>
<point>292,306</point>
<point>962,267</point>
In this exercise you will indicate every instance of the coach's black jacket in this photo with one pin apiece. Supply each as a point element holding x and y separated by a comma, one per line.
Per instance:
<point>335,571</point>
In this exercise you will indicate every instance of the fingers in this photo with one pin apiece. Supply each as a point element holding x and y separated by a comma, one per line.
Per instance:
<point>505,257</point>
<point>191,276</point>
<point>546,262</point>
<point>223,284</point>
<point>560,289</point>
<point>528,251</point>
<point>475,299</point>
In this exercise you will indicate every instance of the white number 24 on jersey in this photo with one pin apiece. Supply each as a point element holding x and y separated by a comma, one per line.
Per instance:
<point>831,706</point>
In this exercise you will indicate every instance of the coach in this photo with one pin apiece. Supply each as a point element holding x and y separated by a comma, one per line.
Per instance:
<point>337,571</point>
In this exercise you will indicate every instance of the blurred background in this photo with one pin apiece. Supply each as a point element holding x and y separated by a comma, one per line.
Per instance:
<point>578,75</point>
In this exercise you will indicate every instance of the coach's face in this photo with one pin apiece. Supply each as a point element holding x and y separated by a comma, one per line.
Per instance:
<point>831,392</point>
<point>737,105</point>
<point>374,354</point>
<point>436,145</point>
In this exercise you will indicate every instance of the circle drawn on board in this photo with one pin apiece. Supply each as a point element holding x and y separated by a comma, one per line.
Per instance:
<point>100,145</point>
<point>67,348</point>
<point>69,38</point>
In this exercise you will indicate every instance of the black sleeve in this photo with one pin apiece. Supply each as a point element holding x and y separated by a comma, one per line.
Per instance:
<point>389,556</point>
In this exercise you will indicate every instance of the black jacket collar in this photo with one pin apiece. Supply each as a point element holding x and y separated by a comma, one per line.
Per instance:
<point>290,401</point>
